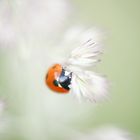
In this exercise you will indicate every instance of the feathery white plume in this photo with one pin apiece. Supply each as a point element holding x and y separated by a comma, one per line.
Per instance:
<point>86,54</point>
<point>87,84</point>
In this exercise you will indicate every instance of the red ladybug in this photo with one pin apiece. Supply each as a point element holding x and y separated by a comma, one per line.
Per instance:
<point>58,79</point>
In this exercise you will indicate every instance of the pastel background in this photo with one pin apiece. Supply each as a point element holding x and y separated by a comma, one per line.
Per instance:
<point>32,38</point>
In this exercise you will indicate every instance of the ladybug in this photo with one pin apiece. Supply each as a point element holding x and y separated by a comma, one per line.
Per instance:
<point>58,79</point>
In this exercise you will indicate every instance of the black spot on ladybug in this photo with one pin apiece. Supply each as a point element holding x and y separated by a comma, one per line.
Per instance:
<point>54,67</point>
<point>55,82</point>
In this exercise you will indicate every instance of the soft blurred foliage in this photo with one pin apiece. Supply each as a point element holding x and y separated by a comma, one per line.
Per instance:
<point>31,39</point>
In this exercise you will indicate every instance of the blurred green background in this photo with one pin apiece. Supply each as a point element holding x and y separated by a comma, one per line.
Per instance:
<point>32,112</point>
